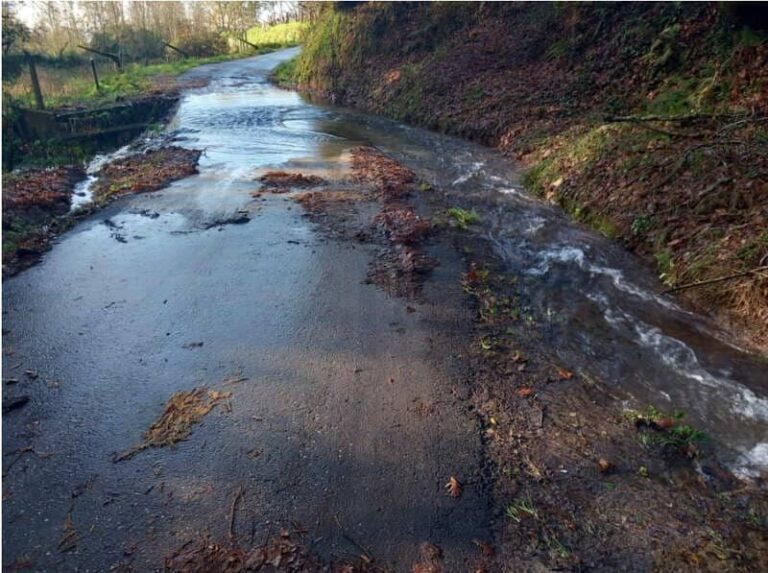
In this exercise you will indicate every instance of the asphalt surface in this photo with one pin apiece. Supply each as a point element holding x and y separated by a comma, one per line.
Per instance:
<point>350,421</point>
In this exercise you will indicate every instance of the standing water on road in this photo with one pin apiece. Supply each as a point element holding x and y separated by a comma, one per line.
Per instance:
<point>158,294</point>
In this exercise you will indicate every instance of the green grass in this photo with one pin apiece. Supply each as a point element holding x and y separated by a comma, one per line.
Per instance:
<point>287,34</point>
<point>462,217</point>
<point>285,73</point>
<point>520,509</point>
<point>76,86</point>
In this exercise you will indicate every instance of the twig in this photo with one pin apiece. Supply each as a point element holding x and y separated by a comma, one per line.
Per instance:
<point>682,118</point>
<point>238,497</point>
<point>234,380</point>
<point>742,121</point>
<point>672,133</point>
<point>366,553</point>
<point>716,280</point>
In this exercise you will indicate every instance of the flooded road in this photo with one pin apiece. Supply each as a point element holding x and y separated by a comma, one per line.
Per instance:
<point>328,432</point>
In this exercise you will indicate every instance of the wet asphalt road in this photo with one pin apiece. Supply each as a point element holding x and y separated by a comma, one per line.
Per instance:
<point>351,410</point>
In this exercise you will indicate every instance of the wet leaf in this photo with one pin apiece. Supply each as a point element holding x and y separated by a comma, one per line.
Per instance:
<point>485,548</point>
<point>431,551</point>
<point>563,373</point>
<point>604,465</point>
<point>454,487</point>
<point>181,412</point>
<point>425,568</point>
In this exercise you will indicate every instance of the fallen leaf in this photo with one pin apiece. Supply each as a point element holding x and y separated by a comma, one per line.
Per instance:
<point>525,391</point>
<point>604,465</point>
<point>431,551</point>
<point>563,373</point>
<point>425,568</point>
<point>454,487</point>
<point>518,357</point>
<point>485,547</point>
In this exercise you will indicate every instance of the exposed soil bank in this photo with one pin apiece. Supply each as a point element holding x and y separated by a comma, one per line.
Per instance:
<point>37,202</point>
<point>646,121</point>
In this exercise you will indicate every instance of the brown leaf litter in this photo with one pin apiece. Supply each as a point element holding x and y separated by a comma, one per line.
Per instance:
<point>182,411</point>
<point>145,172</point>
<point>454,487</point>
<point>282,181</point>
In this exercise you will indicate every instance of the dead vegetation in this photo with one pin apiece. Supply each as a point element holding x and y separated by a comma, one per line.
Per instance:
<point>35,207</point>
<point>584,485</point>
<point>391,180</point>
<point>282,181</point>
<point>145,172</point>
<point>402,225</point>
<point>400,265</point>
<point>182,411</point>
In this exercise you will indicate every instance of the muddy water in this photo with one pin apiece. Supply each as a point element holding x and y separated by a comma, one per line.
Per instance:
<point>351,408</point>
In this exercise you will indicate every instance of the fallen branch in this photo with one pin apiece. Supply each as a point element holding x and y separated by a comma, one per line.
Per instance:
<point>716,280</point>
<point>112,57</point>
<point>175,49</point>
<point>675,118</point>
<point>698,135</point>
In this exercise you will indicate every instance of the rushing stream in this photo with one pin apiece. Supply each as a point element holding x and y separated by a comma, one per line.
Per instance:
<point>597,304</point>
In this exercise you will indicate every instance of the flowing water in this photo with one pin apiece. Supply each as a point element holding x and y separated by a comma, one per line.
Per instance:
<point>107,317</point>
<point>600,306</point>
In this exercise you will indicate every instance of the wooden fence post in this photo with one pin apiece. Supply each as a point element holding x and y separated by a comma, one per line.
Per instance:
<point>95,75</point>
<point>35,83</point>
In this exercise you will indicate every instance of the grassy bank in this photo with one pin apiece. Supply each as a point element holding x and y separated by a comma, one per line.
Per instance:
<point>286,34</point>
<point>75,86</point>
<point>645,121</point>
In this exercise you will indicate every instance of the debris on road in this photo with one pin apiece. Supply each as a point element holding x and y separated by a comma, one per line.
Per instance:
<point>281,553</point>
<point>35,207</point>
<point>282,182</point>
<point>69,536</point>
<point>454,487</point>
<point>10,404</point>
<point>145,172</point>
<point>183,410</point>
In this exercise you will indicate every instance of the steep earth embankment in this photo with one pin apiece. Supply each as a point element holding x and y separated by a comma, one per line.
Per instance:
<point>646,121</point>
